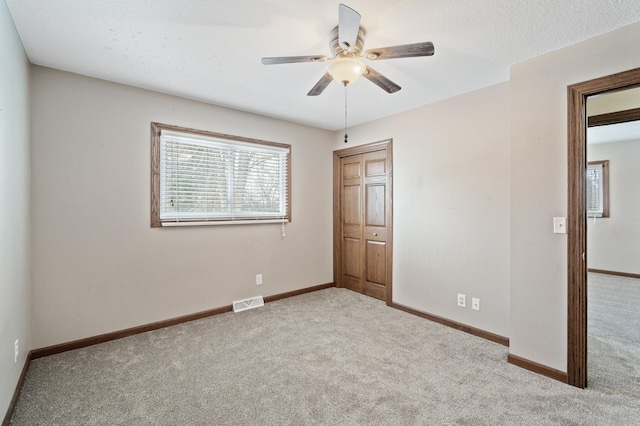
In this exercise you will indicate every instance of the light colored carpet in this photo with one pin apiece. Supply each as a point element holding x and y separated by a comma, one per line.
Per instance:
<point>330,357</point>
<point>613,328</point>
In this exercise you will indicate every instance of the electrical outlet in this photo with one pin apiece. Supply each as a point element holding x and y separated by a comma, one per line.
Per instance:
<point>462,300</point>
<point>475,304</point>
<point>259,279</point>
<point>16,350</point>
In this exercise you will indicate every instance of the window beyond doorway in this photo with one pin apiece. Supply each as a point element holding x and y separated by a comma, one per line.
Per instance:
<point>598,189</point>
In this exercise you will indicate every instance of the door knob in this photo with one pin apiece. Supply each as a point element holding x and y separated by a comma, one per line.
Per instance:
<point>375,234</point>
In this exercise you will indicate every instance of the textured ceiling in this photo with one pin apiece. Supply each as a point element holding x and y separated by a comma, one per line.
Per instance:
<point>210,50</point>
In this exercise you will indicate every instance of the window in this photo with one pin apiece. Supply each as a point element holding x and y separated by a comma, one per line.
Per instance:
<point>598,189</point>
<point>205,178</point>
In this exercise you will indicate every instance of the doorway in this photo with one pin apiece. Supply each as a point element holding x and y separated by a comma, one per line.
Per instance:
<point>613,241</point>
<point>362,219</point>
<point>576,220</point>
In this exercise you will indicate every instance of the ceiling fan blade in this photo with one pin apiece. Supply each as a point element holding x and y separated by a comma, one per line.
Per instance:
<point>402,51</point>
<point>348,27</point>
<point>380,80</point>
<point>292,59</point>
<point>321,85</point>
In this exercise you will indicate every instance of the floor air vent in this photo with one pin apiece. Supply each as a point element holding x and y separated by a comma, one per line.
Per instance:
<point>243,305</point>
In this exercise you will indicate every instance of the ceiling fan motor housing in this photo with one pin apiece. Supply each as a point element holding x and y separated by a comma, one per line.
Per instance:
<point>336,49</point>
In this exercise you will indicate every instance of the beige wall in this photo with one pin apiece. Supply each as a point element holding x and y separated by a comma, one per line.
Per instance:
<point>98,266</point>
<point>613,102</point>
<point>15,268</point>
<point>539,186</point>
<point>451,205</point>
<point>613,243</point>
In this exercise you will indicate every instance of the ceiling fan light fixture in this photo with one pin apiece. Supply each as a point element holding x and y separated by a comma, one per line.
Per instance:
<point>346,69</point>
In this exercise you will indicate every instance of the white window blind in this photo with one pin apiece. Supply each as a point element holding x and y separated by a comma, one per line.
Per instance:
<point>208,179</point>
<point>595,190</point>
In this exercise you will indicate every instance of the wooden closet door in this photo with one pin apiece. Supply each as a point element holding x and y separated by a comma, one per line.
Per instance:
<point>364,206</point>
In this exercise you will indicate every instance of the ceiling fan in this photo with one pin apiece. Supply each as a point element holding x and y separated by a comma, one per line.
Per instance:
<point>347,44</point>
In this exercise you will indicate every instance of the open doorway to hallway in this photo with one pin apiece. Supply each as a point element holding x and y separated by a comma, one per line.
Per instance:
<point>613,241</point>
<point>578,94</point>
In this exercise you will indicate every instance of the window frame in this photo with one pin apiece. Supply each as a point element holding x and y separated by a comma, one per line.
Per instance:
<point>157,221</point>
<point>605,188</point>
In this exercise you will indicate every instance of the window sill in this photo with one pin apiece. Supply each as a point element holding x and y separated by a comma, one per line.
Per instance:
<point>222,222</point>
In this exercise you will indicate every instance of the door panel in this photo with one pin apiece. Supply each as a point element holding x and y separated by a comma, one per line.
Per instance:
<point>376,167</point>
<point>352,284</point>
<point>351,169</point>
<point>352,259</point>
<point>375,205</point>
<point>375,290</point>
<point>351,203</point>
<point>376,262</point>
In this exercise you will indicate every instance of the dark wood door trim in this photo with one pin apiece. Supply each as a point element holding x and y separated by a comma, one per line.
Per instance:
<point>614,117</point>
<point>616,273</point>
<point>337,213</point>
<point>576,222</point>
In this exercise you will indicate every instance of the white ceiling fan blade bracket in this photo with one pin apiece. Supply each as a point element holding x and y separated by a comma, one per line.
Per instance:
<point>348,27</point>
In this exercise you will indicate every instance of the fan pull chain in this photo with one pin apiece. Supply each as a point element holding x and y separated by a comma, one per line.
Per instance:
<point>346,136</point>
<point>282,228</point>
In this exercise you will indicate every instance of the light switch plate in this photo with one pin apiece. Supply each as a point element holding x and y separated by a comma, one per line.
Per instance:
<point>559,225</point>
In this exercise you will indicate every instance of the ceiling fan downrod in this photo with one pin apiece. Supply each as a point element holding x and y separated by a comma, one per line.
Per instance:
<point>346,136</point>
